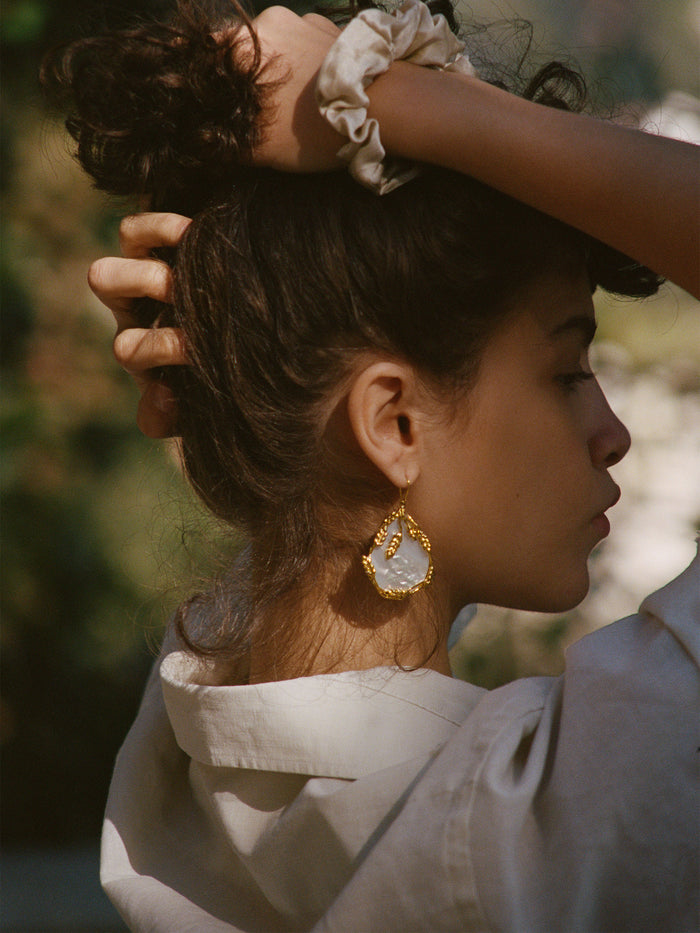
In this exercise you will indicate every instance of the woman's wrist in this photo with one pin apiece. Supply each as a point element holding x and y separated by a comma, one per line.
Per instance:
<point>365,50</point>
<point>409,101</point>
<point>588,173</point>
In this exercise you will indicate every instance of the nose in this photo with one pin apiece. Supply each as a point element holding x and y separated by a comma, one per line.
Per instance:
<point>609,440</point>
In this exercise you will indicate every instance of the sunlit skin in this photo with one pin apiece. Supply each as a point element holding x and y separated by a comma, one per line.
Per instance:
<point>513,490</point>
<point>510,486</point>
<point>510,483</point>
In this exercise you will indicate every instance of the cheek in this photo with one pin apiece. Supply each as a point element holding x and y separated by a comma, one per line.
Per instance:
<point>530,465</point>
<point>514,530</point>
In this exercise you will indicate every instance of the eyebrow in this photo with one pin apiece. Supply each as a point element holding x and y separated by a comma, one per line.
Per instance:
<point>582,323</point>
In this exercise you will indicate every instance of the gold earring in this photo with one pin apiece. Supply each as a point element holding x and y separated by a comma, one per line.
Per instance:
<point>405,565</point>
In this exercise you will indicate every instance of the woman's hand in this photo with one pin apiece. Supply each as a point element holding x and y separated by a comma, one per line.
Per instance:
<point>296,138</point>
<point>116,282</point>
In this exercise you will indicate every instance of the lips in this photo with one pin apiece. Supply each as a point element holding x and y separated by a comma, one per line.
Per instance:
<point>601,524</point>
<point>601,521</point>
<point>615,499</point>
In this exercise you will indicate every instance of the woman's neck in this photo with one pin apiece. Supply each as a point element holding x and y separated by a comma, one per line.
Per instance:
<point>335,621</point>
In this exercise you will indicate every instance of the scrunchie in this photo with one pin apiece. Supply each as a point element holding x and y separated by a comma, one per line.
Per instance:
<point>364,50</point>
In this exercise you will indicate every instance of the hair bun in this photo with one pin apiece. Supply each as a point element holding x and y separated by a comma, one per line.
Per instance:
<point>162,110</point>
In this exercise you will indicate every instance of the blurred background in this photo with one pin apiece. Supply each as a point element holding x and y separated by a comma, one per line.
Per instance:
<point>101,539</point>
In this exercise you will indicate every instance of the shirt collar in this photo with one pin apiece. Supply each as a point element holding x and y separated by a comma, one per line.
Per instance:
<point>335,725</point>
<point>677,606</point>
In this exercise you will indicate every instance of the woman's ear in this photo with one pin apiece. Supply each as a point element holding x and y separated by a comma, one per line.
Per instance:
<point>386,419</point>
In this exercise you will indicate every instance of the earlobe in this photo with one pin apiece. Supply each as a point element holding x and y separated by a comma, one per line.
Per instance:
<point>383,413</point>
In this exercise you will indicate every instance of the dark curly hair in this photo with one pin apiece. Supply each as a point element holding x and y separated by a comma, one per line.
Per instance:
<point>162,109</point>
<point>281,281</point>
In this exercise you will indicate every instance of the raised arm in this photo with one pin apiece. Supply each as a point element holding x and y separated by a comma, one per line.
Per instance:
<point>637,192</point>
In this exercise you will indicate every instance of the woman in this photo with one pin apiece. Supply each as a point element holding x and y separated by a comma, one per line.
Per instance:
<point>302,757</point>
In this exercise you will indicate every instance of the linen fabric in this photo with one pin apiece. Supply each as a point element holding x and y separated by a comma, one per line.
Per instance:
<point>395,801</point>
<point>364,50</point>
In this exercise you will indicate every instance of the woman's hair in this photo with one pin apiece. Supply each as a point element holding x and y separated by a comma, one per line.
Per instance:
<point>282,282</point>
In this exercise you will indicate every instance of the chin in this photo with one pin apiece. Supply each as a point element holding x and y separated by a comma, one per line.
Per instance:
<point>558,594</point>
<point>568,593</point>
<point>535,587</point>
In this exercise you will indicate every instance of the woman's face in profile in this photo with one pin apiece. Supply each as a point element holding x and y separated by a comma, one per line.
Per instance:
<point>515,487</point>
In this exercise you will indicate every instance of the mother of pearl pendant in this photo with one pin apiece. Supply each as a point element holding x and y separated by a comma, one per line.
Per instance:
<point>399,562</point>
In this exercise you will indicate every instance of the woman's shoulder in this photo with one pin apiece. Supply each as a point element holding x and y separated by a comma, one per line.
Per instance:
<point>597,794</point>
<point>625,709</point>
<point>634,675</point>
<point>665,630</point>
<point>560,802</point>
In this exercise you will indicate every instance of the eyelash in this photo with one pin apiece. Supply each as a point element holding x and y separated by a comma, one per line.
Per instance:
<point>570,381</point>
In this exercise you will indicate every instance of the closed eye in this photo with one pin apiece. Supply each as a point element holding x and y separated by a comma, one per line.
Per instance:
<point>570,381</point>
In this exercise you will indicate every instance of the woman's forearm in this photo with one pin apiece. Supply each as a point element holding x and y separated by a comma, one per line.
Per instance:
<point>637,192</point>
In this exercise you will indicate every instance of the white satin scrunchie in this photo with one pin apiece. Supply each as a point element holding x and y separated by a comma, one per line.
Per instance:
<point>365,49</point>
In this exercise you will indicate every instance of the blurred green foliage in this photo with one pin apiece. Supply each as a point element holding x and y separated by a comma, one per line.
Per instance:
<point>94,518</point>
<point>99,537</point>
<point>77,612</point>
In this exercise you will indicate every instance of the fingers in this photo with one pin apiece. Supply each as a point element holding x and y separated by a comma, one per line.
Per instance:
<point>297,138</point>
<point>139,350</point>
<point>282,18</point>
<point>320,22</point>
<point>140,233</point>
<point>116,281</point>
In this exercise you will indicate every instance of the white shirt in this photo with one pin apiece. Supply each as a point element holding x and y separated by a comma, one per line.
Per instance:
<point>399,801</point>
